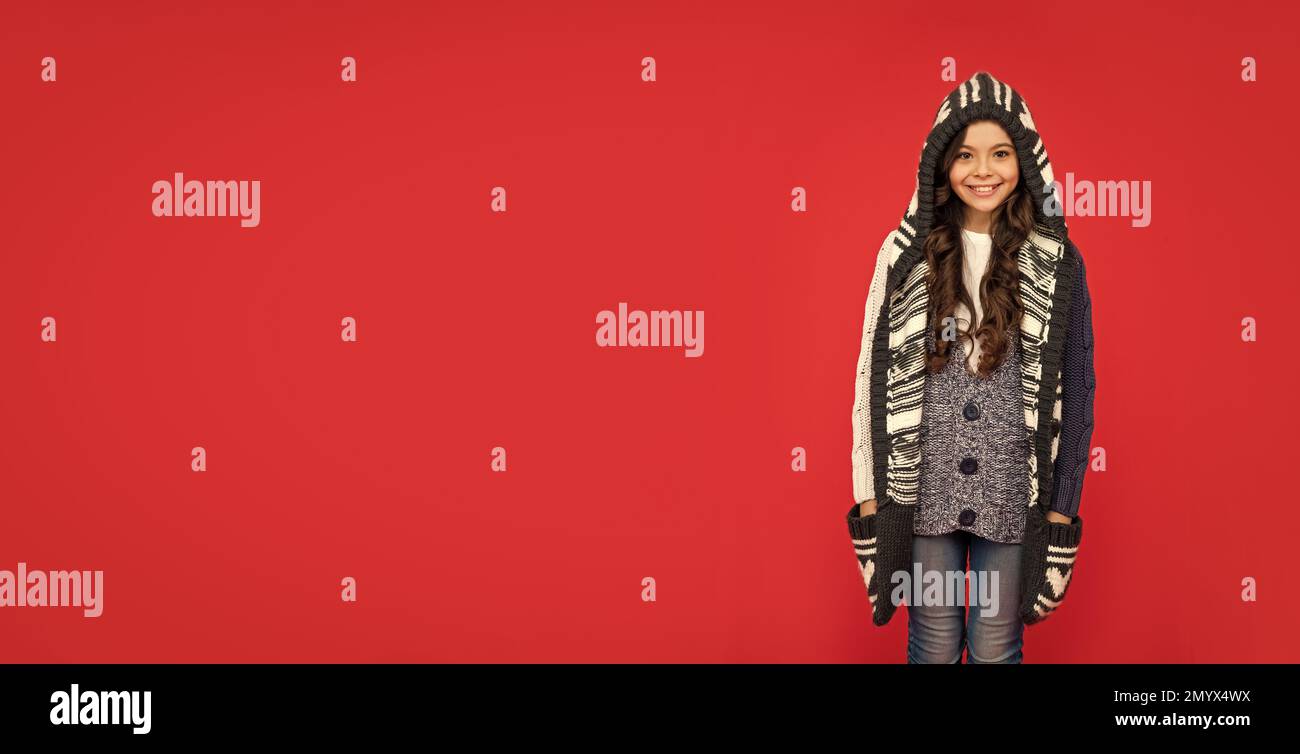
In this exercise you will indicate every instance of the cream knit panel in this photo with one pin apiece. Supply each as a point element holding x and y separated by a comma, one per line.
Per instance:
<point>864,486</point>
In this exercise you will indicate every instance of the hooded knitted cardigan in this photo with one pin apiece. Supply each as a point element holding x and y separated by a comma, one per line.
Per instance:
<point>1055,339</point>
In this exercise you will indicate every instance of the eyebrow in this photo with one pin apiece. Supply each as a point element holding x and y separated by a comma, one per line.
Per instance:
<point>995,146</point>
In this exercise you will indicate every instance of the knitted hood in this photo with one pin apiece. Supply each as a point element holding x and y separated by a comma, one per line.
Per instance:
<point>979,97</point>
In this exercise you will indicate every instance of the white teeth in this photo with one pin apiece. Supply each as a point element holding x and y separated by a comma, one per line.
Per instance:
<point>983,189</point>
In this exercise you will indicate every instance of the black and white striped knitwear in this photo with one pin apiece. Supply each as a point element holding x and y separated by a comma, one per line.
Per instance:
<point>1054,371</point>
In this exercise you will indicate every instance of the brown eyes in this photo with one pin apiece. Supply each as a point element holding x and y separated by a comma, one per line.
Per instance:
<point>1003,152</point>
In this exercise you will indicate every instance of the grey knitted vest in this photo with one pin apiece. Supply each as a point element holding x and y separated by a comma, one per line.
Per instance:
<point>975,450</point>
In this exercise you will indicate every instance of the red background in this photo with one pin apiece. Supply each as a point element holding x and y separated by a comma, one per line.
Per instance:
<point>476,329</point>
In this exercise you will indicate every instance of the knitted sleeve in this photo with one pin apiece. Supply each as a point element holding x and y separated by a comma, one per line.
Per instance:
<point>864,487</point>
<point>1078,385</point>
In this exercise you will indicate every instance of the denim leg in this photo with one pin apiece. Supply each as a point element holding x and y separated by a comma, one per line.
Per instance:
<point>935,633</point>
<point>995,633</point>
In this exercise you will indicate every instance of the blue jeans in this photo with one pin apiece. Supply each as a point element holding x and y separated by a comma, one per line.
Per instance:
<point>939,633</point>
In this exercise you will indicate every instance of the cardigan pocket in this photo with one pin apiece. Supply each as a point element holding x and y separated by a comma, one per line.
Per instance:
<point>883,543</point>
<point>1048,564</point>
<point>863,531</point>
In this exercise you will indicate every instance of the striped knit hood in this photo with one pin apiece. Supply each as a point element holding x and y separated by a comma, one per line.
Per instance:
<point>979,97</point>
<point>1045,287</point>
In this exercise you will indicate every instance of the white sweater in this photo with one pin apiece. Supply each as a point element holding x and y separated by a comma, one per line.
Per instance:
<point>978,249</point>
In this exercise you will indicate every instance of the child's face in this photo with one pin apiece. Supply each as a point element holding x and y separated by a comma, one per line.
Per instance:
<point>986,158</point>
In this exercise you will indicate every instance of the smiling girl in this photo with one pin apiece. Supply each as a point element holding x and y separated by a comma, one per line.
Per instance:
<point>972,416</point>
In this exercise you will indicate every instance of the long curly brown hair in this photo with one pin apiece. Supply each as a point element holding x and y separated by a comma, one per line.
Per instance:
<point>1011,224</point>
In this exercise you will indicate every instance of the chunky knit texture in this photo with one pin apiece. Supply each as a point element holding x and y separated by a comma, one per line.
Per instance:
<point>1056,376</point>
<point>1078,386</point>
<point>975,458</point>
<point>1078,389</point>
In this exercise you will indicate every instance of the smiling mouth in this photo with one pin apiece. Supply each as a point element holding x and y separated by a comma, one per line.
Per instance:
<point>983,190</point>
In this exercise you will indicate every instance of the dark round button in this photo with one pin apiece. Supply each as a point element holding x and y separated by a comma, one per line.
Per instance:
<point>968,465</point>
<point>971,411</point>
<point>967,517</point>
<point>1056,426</point>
